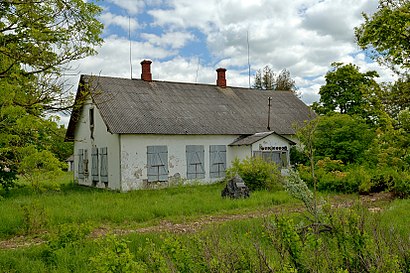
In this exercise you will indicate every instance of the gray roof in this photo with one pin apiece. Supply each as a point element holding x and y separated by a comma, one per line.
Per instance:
<point>133,106</point>
<point>249,140</point>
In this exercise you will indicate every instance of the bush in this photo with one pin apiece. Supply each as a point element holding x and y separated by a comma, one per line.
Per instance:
<point>257,173</point>
<point>115,256</point>
<point>7,180</point>
<point>401,186</point>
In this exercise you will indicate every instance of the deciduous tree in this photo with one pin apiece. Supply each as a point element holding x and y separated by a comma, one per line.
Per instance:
<point>266,79</point>
<point>348,91</point>
<point>342,137</point>
<point>385,35</point>
<point>38,40</point>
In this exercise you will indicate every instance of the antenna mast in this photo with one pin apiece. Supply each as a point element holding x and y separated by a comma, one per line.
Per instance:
<point>129,38</point>
<point>249,63</point>
<point>269,105</point>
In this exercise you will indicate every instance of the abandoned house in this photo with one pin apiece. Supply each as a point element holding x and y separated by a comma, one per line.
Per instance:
<point>136,133</point>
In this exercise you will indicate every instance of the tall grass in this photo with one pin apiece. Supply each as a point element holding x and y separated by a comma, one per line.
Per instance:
<point>69,203</point>
<point>237,246</point>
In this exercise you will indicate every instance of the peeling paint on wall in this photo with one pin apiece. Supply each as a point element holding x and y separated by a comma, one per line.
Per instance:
<point>138,173</point>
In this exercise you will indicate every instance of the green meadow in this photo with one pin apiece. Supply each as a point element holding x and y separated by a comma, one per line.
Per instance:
<point>63,227</point>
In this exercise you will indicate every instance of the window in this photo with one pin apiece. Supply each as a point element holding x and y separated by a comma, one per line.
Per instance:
<point>217,161</point>
<point>94,164</point>
<point>280,158</point>
<point>157,163</point>
<point>195,161</point>
<point>91,117</point>
<point>85,162</point>
<point>82,163</point>
<point>104,165</point>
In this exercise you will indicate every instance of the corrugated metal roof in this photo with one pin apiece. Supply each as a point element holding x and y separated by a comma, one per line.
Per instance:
<point>249,140</point>
<point>133,106</point>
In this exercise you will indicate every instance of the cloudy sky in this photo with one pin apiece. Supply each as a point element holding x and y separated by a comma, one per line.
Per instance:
<point>188,39</point>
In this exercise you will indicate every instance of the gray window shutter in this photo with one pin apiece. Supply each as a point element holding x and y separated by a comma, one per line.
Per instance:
<point>104,164</point>
<point>94,164</point>
<point>195,161</point>
<point>217,161</point>
<point>276,158</point>
<point>85,162</point>
<point>80,164</point>
<point>157,163</point>
<point>284,159</point>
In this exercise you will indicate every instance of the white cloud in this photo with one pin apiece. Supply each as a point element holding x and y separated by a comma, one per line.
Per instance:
<point>124,22</point>
<point>304,36</point>
<point>131,6</point>
<point>173,39</point>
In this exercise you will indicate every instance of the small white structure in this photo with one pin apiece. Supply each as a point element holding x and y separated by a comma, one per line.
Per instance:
<point>138,133</point>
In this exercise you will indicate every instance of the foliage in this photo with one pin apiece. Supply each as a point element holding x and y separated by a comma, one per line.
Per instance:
<point>404,119</point>
<point>396,96</point>
<point>7,178</point>
<point>306,135</point>
<point>297,156</point>
<point>45,37</point>
<point>390,148</point>
<point>67,237</point>
<point>37,166</point>
<point>266,79</point>
<point>349,240</point>
<point>37,42</point>
<point>34,217</point>
<point>74,204</point>
<point>385,35</point>
<point>342,137</point>
<point>344,244</point>
<point>285,82</point>
<point>115,256</point>
<point>298,189</point>
<point>257,173</point>
<point>348,91</point>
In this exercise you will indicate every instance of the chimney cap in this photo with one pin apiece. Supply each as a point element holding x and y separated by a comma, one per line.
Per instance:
<point>146,62</point>
<point>221,69</point>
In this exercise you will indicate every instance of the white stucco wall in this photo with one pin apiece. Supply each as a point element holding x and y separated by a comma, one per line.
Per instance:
<point>102,138</point>
<point>240,152</point>
<point>134,155</point>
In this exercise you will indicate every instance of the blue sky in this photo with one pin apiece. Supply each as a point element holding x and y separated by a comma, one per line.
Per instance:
<point>187,40</point>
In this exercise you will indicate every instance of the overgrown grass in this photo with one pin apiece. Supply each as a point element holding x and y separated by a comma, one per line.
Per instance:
<point>251,245</point>
<point>26,210</point>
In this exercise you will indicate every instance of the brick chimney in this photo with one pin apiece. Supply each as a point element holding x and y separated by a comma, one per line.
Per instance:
<point>146,70</point>
<point>221,80</point>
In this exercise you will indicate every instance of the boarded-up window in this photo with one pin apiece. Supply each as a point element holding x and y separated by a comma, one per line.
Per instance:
<point>91,116</point>
<point>279,158</point>
<point>104,165</point>
<point>157,163</point>
<point>85,162</point>
<point>80,164</point>
<point>195,161</point>
<point>94,164</point>
<point>217,161</point>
